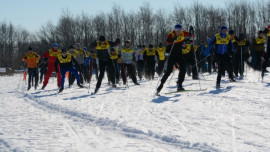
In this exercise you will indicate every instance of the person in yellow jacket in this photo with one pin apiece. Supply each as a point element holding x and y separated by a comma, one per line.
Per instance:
<point>161,58</point>
<point>257,47</point>
<point>149,58</point>
<point>32,59</point>
<point>127,59</point>
<point>115,58</point>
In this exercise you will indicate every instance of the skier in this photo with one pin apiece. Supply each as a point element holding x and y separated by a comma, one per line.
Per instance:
<point>95,62</point>
<point>140,61</point>
<point>189,58</point>
<point>51,56</point>
<point>102,46</point>
<point>43,69</point>
<point>87,65</point>
<point>234,41</point>
<point>241,54</point>
<point>149,58</point>
<point>161,58</point>
<point>114,57</point>
<point>224,49</point>
<point>31,58</point>
<point>127,59</point>
<point>174,44</point>
<point>80,58</point>
<point>267,55</point>
<point>257,47</point>
<point>65,61</point>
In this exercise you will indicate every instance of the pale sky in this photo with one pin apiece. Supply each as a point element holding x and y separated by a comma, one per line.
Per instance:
<point>32,14</point>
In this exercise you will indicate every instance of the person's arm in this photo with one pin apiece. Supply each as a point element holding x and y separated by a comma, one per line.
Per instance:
<point>24,58</point>
<point>210,43</point>
<point>170,39</point>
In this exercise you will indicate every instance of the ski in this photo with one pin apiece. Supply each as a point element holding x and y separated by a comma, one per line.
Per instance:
<point>185,91</point>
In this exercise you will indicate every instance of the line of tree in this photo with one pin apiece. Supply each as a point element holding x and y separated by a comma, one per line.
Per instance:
<point>145,26</point>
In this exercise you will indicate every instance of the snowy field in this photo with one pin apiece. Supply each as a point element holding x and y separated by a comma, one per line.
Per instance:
<point>233,118</point>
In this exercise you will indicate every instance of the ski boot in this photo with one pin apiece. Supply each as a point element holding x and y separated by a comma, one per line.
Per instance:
<point>43,87</point>
<point>79,85</point>
<point>61,89</point>
<point>136,83</point>
<point>180,87</point>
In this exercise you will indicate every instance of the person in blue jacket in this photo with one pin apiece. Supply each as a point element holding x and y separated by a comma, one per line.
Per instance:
<point>224,49</point>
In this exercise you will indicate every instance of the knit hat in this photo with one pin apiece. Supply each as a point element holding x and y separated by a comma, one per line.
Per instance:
<point>71,47</point>
<point>178,27</point>
<point>231,32</point>
<point>78,44</point>
<point>102,38</point>
<point>30,48</point>
<point>54,45</point>
<point>223,27</point>
<point>151,46</point>
<point>64,50</point>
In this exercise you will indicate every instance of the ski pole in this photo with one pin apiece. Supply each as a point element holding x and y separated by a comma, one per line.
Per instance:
<point>201,60</point>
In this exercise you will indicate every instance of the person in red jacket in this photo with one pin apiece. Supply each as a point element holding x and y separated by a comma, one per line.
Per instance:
<point>51,56</point>
<point>174,42</point>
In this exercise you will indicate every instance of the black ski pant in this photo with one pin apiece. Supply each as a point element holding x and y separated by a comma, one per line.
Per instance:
<point>160,66</point>
<point>102,66</point>
<point>140,67</point>
<point>190,61</point>
<point>238,64</point>
<point>43,71</point>
<point>170,64</point>
<point>224,60</point>
<point>150,69</point>
<point>86,73</point>
<point>131,71</point>
<point>32,76</point>
<point>116,71</point>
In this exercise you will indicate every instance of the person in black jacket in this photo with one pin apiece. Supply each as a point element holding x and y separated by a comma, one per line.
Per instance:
<point>103,54</point>
<point>65,61</point>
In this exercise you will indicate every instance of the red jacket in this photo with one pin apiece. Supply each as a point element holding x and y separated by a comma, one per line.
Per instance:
<point>172,37</point>
<point>51,55</point>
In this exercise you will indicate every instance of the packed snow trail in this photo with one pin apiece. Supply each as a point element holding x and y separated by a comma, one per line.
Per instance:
<point>235,117</point>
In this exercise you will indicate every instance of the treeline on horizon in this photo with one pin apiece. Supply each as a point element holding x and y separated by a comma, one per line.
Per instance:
<point>145,26</point>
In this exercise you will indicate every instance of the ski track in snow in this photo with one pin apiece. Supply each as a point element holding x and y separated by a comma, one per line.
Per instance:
<point>233,118</point>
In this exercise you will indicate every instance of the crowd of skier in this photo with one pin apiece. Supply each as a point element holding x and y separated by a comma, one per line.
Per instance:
<point>225,51</point>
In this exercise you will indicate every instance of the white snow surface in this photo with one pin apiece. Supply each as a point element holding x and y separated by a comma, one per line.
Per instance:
<point>233,118</point>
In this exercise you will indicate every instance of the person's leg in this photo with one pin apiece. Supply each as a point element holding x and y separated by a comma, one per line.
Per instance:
<point>47,77</point>
<point>182,73</point>
<point>75,73</point>
<point>30,76</point>
<point>111,69</point>
<point>63,76</point>
<point>220,68</point>
<point>102,66</point>
<point>131,71</point>
<point>123,73</point>
<point>36,77</point>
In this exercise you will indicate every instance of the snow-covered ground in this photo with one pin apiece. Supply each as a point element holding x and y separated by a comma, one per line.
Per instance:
<point>233,118</point>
